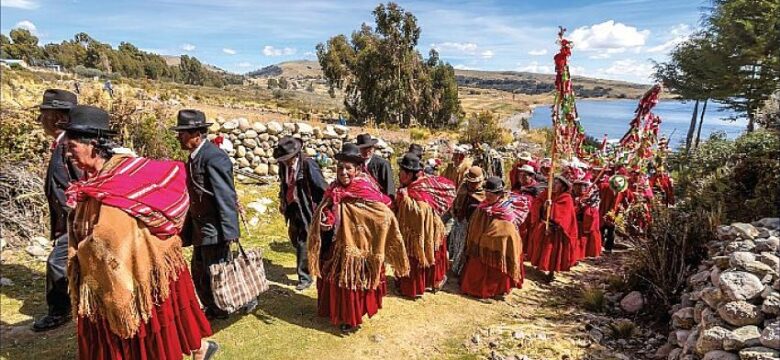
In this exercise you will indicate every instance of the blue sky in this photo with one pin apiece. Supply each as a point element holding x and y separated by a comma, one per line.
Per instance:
<point>613,39</point>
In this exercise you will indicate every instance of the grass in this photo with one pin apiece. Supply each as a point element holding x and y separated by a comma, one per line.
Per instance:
<point>622,329</point>
<point>593,299</point>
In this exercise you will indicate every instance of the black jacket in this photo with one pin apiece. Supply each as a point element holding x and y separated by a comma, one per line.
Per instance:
<point>380,169</point>
<point>309,189</point>
<point>213,214</point>
<point>59,175</point>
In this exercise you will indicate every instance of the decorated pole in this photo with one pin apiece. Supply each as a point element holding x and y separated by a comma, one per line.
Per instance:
<point>568,134</point>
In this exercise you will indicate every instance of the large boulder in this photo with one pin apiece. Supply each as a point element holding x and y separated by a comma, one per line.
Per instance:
<point>740,313</point>
<point>759,353</point>
<point>633,302</point>
<point>742,337</point>
<point>745,231</point>
<point>711,339</point>
<point>740,285</point>
<point>770,337</point>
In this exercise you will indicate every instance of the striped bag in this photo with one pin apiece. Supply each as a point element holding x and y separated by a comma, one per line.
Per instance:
<point>239,280</point>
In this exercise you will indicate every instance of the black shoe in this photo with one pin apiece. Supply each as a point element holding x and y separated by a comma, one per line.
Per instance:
<point>346,329</point>
<point>211,350</point>
<point>50,322</point>
<point>216,314</point>
<point>440,285</point>
<point>249,307</point>
<point>302,286</point>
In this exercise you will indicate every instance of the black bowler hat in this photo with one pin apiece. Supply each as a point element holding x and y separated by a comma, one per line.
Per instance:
<point>350,153</point>
<point>494,184</point>
<point>89,120</point>
<point>365,140</point>
<point>416,149</point>
<point>410,162</point>
<point>287,147</point>
<point>190,119</point>
<point>58,99</point>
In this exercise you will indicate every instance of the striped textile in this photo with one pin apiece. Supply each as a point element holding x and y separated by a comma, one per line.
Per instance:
<point>152,191</point>
<point>237,282</point>
<point>436,191</point>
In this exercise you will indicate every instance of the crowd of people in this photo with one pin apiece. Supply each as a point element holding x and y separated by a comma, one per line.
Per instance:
<point>119,222</point>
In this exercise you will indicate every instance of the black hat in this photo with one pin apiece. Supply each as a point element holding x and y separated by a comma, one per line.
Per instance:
<point>189,119</point>
<point>90,120</point>
<point>410,162</point>
<point>494,184</point>
<point>365,140</point>
<point>416,149</point>
<point>57,99</point>
<point>350,153</point>
<point>287,147</point>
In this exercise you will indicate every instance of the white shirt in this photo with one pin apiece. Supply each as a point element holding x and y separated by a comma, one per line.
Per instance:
<point>195,152</point>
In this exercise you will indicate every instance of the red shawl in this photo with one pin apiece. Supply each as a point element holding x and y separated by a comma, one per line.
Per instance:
<point>152,191</point>
<point>563,214</point>
<point>436,191</point>
<point>513,208</point>
<point>363,186</point>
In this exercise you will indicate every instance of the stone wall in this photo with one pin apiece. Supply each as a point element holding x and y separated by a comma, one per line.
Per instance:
<point>730,310</point>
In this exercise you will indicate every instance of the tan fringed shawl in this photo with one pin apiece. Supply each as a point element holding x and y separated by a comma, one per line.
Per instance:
<point>496,243</point>
<point>421,229</point>
<point>118,270</point>
<point>366,238</point>
<point>456,173</point>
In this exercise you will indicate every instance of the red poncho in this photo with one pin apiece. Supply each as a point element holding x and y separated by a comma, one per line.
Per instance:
<point>436,191</point>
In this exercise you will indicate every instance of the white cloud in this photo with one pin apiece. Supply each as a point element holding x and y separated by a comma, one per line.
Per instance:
<point>535,67</point>
<point>269,50</point>
<point>468,48</point>
<point>244,65</point>
<point>608,36</point>
<point>487,54</point>
<point>537,52</point>
<point>603,55</point>
<point>27,25</point>
<point>463,67</point>
<point>309,54</point>
<point>229,51</point>
<point>20,4</point>
<point>679,34</point>
<point>187,47</point>
<point>627,70</point>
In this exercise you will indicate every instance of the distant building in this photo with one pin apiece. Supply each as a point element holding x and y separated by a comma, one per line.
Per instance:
<point>9,62</point>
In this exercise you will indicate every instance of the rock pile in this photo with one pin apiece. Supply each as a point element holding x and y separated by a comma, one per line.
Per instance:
<point>251,144</point>
<point>731,308</point>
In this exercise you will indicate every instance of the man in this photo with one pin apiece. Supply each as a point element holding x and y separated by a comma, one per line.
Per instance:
<point>60,172</point>
<point>417,150</point>
<point>459,166</point>
<point>212,220</point>
<point>301,191</point>
<point>470,194</point>
<point>494,251</point>
<point>420,203</point>
<point>375,165</point>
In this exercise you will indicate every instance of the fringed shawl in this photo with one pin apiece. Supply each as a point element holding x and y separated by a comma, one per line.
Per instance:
<point>436,191</point>
<point>422,229</point>
<point>496,242</point>
<point>456,173</point>
<point>366,237</point>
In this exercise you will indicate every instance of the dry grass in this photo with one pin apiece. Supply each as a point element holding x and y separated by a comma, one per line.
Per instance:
<point>593,299</point>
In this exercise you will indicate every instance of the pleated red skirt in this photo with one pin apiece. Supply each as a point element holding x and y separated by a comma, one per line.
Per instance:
<point>551,252</point>
<point>482,281</point>
<point>421,278</point>
<point>175,327</point>
<point>346,306</point>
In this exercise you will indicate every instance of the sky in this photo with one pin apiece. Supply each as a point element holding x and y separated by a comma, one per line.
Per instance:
<point>615,39</point>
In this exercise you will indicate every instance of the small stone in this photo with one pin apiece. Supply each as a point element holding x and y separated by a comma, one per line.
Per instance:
<point>721,261</point>
<point>770,244</point>
<point>746,245</point>
<point>274,128</point>
<point>42,241</point>
<point>770,223</point>
<point>3,243</point>
<point>36,250</point>
<point>771,304</point>
<point>6,282</point>
<point>740,285</point>
<point>769,259</point>
<point>377,338</point>
<point>770,337</point>
<point>274,170</point>
<point>739,258</point>
<point>740,313</point>
<point>720,355</point>
<point>712,296</point>
<point>699,279</point>
<point>250,134</point>
<point>518,335</point>
<point>259,127</point>
<point>683,318</point>
<point>758,353</point>
<point>244,163</point>
<point>303,128</point>
<point>711,339</point>
<point>241,152</point>
<point>681,336</point>
<point>250,143</point>
<point>674,354</point>
<point>243,124</point>
<point>741,338</point>
<point>710,318</point>
<point>476,339</point>
<point>633,302</point>
<point>214,127</point>
<point>261,170</point>
<point>229,126</point>
<point>596,335</point>
<point>745,231</point>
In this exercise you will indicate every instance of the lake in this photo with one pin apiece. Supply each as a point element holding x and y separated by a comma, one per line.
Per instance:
<point>612,117</point>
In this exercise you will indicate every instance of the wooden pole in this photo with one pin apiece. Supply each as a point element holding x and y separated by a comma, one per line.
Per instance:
<point>550,178</point>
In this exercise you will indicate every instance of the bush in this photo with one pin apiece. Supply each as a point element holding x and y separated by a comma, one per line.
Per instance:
<point>484,127</point>
<point>622,329</point>
<point>419,134</point>
<point>593,299</point>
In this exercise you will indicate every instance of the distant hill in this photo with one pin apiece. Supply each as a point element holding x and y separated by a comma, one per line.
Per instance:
<point>520,82</point>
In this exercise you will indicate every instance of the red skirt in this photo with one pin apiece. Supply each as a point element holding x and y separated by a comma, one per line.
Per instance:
<point>421,278</point>
<point>175,327</point>
<point>482,281</point>
<point>551,252</point>
<point>346,306</point>
<point>592,244</point>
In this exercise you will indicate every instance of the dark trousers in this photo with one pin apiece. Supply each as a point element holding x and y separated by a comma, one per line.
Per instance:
<point>57,278</point>
<point>299,234</point>
<point>608,234</point>
<point>202,257</point>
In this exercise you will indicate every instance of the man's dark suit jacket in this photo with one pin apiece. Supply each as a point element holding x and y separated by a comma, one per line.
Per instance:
<point>60,173</point>
<point>380,169</point>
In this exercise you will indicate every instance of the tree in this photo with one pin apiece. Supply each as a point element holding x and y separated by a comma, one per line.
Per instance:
<point>272,83</point>
<point>385,80</point>
<point>22,45</point>
<point>283,83</point>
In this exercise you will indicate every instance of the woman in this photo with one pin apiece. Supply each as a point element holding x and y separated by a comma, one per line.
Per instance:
<point>526,191</point>
<point>493,246</point>
<point>350,268</point>
<point>554,245</point>
<point>470,194</point>
<point>587,208</point>
<point>131,291</point>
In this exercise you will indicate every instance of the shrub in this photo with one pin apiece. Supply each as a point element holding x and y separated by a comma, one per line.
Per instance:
<point>622,329</point>
<point>484,127</point>
<point>593,299</point>
<point>419,134</point>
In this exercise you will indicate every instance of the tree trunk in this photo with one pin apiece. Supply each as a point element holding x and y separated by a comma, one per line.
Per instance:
<point>692,128</point>
<point>701,121</point>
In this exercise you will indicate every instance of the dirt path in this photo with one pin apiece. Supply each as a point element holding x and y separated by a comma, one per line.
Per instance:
<point>540,321</point>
